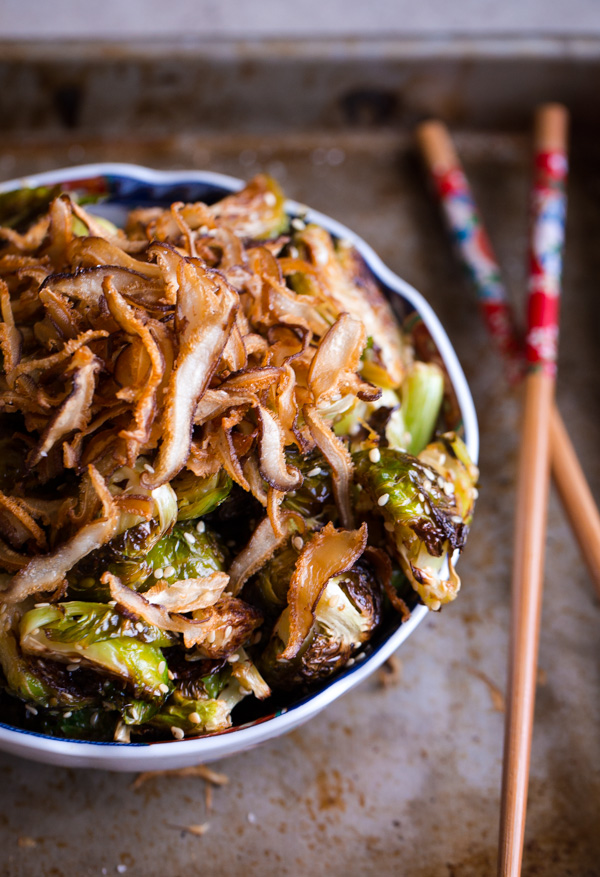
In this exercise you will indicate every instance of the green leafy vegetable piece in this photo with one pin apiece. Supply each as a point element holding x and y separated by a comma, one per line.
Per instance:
<point>418,503</point>
<point>99,637</point>
<point>200,496</point>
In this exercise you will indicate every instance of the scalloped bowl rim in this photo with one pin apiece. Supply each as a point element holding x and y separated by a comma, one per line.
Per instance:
<point>181,753</point>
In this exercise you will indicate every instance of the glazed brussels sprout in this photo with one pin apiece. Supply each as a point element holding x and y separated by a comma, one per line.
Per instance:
<point>36,681</point>
<point>190,551</point>
<point>313,500</point>
<point>419,505</point>
<point>95,635</point>
<point>345,617</point>
<point>203,704</point>
<point>197,497</point>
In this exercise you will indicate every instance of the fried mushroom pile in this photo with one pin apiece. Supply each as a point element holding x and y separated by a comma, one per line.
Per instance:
<point>193,498</point>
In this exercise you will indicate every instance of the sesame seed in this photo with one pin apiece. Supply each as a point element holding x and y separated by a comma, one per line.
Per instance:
<point>316,471</point>
<point>298,543</point>
<point>169,571</point>
<point>228,631</point>
<point>293,252</point>
<point>350,662</point>
<point>170,675</point>
<point>233,658</point>
<point>422,497</point>
<point>374,455</point>
<point>194,718</point>
<point>191,540</point>
<point>31,709</point>
<point>149,468</point>
<point>442,459</point>
<point>177,733</point>
<point>429,474</point>
<point>200,527</point>
<point>270,199</point>
<point>158,573</point>
<point>211,637</point>
<point>163,687</point>
<point>72,667</point>
<point>389,526</point>
<point>441,482</point>
<point>456,519</point>
<point>475,493</point>
<point>139,627</point>
<point>419,509</point>
<point>383,499</point>
<point>162,666</point>
<point>448,488</point>
<point>68,714</point>
<point>298,224</point>
<point>112,603</point>
<point>41,605</point>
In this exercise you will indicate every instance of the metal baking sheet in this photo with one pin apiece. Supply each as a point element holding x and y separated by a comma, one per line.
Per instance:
<point>401,778</point>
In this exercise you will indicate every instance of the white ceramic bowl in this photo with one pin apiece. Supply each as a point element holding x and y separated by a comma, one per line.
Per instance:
<point>129,185</point>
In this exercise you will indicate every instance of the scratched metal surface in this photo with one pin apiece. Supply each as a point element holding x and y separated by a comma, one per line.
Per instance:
<point>402,779</point>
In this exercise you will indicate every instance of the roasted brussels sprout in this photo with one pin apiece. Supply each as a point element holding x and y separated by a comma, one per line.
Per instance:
<point>190,551</point>
<point>314,498</point>
<point>203,704</point>
<point>97,636</point>
<point>197,497</point>
<point>419,506</point>
<point>345,617</point>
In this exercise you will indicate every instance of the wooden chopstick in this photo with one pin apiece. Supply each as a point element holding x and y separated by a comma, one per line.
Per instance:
<point>533,476</point>
<point>476,252</point>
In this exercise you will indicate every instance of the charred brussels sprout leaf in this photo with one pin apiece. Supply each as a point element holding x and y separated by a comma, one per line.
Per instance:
<point>346,616</point>
<point>200,496</point>
<point>418,503</point>
<point>98,637</point>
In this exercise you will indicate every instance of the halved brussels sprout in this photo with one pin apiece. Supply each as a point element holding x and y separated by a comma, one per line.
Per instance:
<point>345,617</point>
<point>139,562</point>
<point>99,637</point>
<point>418,502</point>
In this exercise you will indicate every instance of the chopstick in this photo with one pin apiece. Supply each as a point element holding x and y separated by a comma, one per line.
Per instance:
<point>475,249</point>
<point>547,235</point>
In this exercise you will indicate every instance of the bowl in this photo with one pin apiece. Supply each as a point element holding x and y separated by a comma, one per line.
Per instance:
<point>120,188</point>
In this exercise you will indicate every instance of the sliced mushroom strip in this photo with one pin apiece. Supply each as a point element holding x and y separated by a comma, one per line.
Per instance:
<point>206,307</point>
<point>337,455</point>
<point>272,464</point>
<point>76,411</point>
<point>261,547</point>
<point>46,572</point>
<point>329,553</point>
